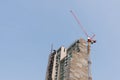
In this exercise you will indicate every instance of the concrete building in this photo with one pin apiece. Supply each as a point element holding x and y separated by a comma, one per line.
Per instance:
<point>70,63</point>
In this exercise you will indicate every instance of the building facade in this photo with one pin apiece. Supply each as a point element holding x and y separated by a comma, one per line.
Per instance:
<point>69,63</point>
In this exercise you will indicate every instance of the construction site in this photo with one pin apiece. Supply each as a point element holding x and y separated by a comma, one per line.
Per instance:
<point>72,63</point>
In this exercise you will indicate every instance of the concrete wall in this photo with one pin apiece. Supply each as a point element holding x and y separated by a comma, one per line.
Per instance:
<point>79,62</point>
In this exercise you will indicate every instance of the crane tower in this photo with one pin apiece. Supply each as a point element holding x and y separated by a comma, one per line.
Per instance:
<point>90,41</point>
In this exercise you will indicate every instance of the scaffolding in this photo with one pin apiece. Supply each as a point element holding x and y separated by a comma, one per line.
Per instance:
<point>50,66</point>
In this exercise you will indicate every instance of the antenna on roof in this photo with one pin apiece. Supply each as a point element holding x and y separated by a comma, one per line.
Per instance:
<point>51,48</point>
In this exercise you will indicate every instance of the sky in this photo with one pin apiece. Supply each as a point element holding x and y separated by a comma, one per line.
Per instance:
<point>29,27</point>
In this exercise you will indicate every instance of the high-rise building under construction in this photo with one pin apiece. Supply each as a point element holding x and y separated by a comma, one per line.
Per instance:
<point>70,63</point>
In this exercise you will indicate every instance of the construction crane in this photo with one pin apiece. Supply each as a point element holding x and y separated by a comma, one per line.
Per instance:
<point>89,41</point>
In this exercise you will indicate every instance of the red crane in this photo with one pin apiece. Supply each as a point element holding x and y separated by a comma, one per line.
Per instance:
<point>90,41</point>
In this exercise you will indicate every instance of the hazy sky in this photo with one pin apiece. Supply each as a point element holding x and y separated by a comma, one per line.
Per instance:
<point>29,27</point>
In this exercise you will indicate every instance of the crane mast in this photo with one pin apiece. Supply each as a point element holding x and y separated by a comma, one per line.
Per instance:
<point>89,62</point>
